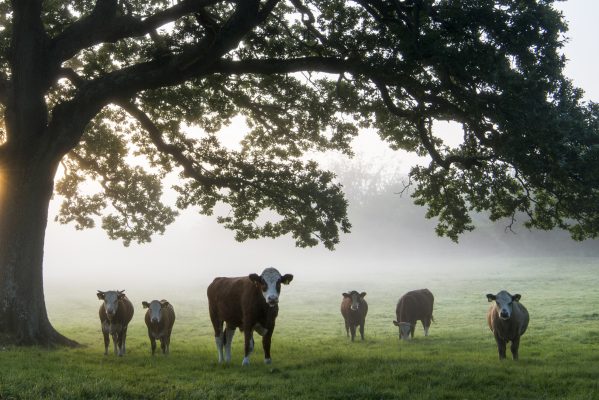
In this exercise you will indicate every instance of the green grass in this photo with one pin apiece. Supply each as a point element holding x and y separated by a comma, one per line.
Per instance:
<point>312,359</point>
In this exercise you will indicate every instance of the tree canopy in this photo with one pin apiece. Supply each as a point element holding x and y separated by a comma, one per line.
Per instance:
<point>131,91</point>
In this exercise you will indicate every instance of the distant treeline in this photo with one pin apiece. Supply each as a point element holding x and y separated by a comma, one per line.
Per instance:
<point>384,217</point>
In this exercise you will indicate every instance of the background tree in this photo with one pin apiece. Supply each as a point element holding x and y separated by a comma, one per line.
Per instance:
<point>110,89</point>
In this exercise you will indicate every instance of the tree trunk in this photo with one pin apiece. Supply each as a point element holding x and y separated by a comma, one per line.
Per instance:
<point>26,186</point>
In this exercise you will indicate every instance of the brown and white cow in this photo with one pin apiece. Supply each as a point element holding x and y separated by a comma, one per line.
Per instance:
<point>411,307</point>
<point>249,303</point>
<point>115,314</point>
<point>354,309</point>
<point>160,319</point>
<point>508,320</point>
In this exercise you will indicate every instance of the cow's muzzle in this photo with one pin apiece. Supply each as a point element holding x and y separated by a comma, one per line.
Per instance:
<point>504,315</point>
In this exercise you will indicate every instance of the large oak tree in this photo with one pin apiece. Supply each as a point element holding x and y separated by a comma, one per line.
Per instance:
<point>125,93</point>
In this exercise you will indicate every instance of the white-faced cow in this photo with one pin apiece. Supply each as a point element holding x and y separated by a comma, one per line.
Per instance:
<point>160,319</point>
<point>115,314</point>
<point>354,309</point>
<point>411,307</point>
<point>508,320</point>
<point>249,303</point>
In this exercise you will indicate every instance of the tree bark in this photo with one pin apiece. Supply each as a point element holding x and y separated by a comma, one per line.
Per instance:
<point>26,186</point>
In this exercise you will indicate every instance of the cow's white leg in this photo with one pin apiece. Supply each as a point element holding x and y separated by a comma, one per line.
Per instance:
<point>219,347</point>
<point>251,345</point>
<point>229,339</point>
<point>426,328</point>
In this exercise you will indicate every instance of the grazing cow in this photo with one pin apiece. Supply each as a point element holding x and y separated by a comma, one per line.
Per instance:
<point>160,319</point>
<point>508,320</point>
<point>413,306</point>
<point>115,314</point>
<point>249,303</point>
<point>354,309</point>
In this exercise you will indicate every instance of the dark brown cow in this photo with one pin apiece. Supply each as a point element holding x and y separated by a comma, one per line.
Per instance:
<point>115,314</point>
<point>354,309</point>
<point>508,320</point>
<point>160,319</point>
<point>249,303</point>
<point>413,306</point>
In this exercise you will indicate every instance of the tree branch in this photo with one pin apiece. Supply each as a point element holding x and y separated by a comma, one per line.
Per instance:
<point>104,25</point>
<point>155,134</point>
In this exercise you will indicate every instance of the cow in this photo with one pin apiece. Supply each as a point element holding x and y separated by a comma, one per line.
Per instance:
<point>411,307</point>
<point>354,309</point>
<point>115,314</point>
<point>160,319</point>
<point>508,320</point>
<point>249,303</point>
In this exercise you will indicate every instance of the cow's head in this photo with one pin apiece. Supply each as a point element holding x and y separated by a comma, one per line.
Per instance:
<point>155,307</point>
<point>111,301</point>
<point>270,284</point>
<point>356,298</point>
<point>404,329</point>
<point>503,303</point>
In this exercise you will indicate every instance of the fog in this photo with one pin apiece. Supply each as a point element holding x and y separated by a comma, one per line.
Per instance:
<point>389,233</point>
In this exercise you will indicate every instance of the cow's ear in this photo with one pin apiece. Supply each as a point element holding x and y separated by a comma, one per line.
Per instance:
<point>286,279</point>
<point>145,304</point>
<point>491,297</point>
<point>395,323</point>
<point>345,295</point>
<point>362,294</point>
<point>120,294</point>
<point>164,304</point>
<point>516,297</point>
<point>100,295</point>
<point>255,278</point>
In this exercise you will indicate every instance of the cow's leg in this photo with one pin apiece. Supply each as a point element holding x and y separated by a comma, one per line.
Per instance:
<point>124,341</point>
<point>163,344</point>
<point>501,345</point>
<point>152,341</point>
<point>248,335</point>
<point>168,342</point>
<point>219,336</point>
<point>514,347</point>
<point>412,329</point>
<point>266,340</point>
<point>352,329</point>
<point>106,334</point>
<point>347,328</point>
<point>362,330</point>
<point>426,323</point>
<point>229,333</point>
<point>115,343</point>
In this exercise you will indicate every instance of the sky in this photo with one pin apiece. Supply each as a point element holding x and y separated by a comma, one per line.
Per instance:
<point>195,249</point>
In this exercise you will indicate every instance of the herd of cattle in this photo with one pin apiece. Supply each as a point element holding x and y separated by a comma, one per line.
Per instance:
<point>250,303</point>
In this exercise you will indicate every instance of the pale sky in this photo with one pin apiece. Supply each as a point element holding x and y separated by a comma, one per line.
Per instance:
<point>195,248</point>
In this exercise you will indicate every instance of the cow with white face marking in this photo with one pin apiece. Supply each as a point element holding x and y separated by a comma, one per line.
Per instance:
<point>354,309</point>
<point>508,320</point>
<point>159,319</point>
<point>115,314</point>
<point>411,307</point>
<point>249,303</point>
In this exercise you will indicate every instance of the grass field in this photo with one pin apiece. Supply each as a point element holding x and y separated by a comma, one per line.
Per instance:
<point>312,359</point>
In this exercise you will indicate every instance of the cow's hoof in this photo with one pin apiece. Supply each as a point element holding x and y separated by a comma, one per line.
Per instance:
<point>245,362</point>
<point>267,361</point>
